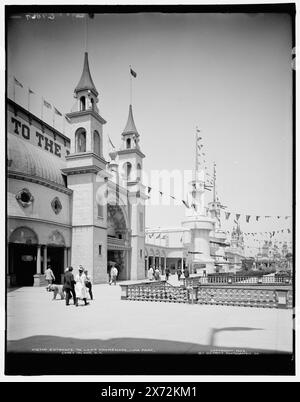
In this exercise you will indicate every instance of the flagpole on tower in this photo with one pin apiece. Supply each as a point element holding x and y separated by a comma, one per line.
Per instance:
<point>196,169</point>
<point>130,78</point>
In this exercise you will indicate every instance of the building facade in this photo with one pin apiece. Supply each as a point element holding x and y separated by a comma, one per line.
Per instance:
<point>70,201</point>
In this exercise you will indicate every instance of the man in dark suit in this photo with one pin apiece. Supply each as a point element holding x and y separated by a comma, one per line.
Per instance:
<point>69,283</point>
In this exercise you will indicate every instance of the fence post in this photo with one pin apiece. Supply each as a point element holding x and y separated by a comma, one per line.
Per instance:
<point>282,298</point>
<point>124,292</point>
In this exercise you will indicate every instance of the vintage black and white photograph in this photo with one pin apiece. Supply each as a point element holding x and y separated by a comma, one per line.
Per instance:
<point>149,184</point>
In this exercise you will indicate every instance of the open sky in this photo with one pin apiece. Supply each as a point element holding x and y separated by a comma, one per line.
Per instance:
<point>228,74</point>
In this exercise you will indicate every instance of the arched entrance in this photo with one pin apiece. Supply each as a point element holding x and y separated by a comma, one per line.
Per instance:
<point>22,256</point>
<point>117,241</point>
<point>55,254</point>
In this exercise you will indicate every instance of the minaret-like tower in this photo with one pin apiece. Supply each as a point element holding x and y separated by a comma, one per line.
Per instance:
<point>87,177</point>
<point>199,224</point>
<point>130,160</point>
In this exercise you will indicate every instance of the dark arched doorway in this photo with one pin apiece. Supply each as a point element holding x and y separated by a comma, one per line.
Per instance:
<point>117,240</point>
<point>22,256</point>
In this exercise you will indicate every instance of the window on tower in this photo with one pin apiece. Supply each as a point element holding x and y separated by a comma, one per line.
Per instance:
<point>82,103</point>
<point>127,170</point>
<point>128,143</point>
<point>97,143</point>
<point>80,140</point>
<point>138,171</point>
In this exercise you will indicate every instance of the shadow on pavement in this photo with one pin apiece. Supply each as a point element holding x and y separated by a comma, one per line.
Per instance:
<point>62,345</point>
<point>215,331</point>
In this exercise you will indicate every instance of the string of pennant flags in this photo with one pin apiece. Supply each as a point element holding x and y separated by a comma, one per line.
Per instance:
<point>256,217</point>
<point>271,234</point>
<point>45,103</point>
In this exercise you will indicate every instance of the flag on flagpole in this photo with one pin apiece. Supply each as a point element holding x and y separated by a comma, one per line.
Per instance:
<point>133,73</point>
<point>227,215</point>
<point>111,142</point>
<point>18,83</point>
<point>185,203</point>
<point>47,104</point>
<point>57,111</point>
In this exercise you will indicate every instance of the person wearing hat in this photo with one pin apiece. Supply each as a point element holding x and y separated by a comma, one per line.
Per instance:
<point>69,286</point>
<point>49,276</point>
<point>80,288</point>
<point>88,283</point>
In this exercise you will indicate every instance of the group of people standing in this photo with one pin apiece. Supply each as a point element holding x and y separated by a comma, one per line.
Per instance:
<point>77,287</point>
<point>154,274</point>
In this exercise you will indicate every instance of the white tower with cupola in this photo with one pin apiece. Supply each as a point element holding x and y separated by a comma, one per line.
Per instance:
<point>87,178</point>
<point>130,161</point>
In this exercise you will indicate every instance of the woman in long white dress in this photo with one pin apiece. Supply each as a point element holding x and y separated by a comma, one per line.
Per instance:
<point>80,288</point>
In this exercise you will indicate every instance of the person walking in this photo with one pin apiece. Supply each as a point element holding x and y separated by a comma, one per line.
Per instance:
<point>69,283</point>
<point>186,275</point>
<point>179,273</point>
<point>88,283</point>
<point>150,273</point>
<point>108,272</point>
<point>113,275</point>
<point>167,273</point>
<point>157,274</point>
<point>80,288</point>
<point>49,276</point>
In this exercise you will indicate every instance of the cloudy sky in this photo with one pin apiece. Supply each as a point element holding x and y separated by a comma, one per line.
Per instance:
<point>228,74</point>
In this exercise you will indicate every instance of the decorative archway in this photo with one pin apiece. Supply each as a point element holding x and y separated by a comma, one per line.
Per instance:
<point>56,239</point>
<point>22,256</point>
<point>23,235</point>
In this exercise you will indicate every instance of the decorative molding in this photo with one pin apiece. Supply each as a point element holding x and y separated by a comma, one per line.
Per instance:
<point>81,170</point>
<point>82,155</point>
<point>26,218</point>
<point>131,151</point>
<point>39,180</point>
<point>85,113</point>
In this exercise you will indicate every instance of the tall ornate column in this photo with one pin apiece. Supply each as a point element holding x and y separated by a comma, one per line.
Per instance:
<point>65,258</point>
<point>37,276</point>
<point>45,259</point>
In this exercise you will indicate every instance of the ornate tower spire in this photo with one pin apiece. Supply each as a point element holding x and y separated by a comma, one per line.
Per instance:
<point>86,82</point>
<point>130,134</point>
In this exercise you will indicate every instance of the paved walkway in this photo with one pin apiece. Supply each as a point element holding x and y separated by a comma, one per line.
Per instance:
<point>109,324</point>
